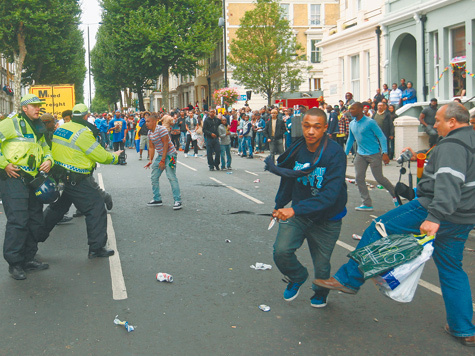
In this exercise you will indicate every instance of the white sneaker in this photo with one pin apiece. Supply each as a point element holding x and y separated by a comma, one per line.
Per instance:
<point>177,205</point>
<point>186,155</point>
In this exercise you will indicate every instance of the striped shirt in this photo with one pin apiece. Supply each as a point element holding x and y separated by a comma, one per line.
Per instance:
<point>156,138</point>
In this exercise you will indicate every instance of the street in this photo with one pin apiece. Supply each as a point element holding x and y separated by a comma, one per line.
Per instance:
<point>211,308</point>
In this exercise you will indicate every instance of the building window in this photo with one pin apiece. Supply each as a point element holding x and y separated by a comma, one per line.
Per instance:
<point>355,76</point>
<point>315,52</point>
<point>314,19</point>
<point>458,42</point>
<point>315,84</point>
<point>436,60</point>
<point>286,11</point>
<point>359,5</point>
<point>458,61</point>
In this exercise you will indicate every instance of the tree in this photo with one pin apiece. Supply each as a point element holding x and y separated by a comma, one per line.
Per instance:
<point>265,54</point>
<point>149,38</point>
<point>36,28</point>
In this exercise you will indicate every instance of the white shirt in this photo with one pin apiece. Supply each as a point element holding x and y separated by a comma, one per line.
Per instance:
<point>395,96</point>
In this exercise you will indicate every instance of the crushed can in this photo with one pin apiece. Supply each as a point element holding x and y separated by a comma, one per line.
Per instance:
<point>164,277</point>
<point>264,308</point>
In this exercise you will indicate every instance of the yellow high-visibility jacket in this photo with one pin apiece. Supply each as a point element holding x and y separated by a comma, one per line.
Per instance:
<point>19,143</point>
<point>76,149</point>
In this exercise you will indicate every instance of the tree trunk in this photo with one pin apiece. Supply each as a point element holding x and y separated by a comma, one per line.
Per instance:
<point>121,101</point>
<point>129,98</point>
<point>165,88</point>
<point>140,96</point>
<point>19,59</point>
<point>269,98</point>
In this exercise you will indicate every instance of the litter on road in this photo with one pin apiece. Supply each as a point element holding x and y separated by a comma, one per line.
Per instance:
<point>125,324</point>
<point>261,266</point>
<point>164,277</point>
<point>264,308</point>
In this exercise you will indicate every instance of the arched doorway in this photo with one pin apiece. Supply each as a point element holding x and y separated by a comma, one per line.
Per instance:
<point>404,59</point>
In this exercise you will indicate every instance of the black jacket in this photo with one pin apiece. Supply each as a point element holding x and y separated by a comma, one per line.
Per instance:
<point>211,126</point>
<point>279,129</point>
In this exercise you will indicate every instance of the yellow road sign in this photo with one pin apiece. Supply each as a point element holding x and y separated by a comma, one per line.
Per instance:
<point>57,98</point>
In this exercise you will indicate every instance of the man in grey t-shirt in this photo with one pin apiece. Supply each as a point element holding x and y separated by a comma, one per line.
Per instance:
<point>427,119</point>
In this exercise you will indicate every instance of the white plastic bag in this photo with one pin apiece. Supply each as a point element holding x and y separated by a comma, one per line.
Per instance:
<point>406,290</point>
<point>391,279</point>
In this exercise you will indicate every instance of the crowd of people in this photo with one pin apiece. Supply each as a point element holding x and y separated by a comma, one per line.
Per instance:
<point>312,168</point>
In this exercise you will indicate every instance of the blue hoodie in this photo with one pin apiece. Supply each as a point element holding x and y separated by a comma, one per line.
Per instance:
<point>313,181</point>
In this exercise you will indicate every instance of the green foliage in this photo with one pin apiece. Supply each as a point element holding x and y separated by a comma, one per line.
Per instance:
<point>99,105</point>
<point>265,54</point>
<point>53,42</point>
<point>146,39</point>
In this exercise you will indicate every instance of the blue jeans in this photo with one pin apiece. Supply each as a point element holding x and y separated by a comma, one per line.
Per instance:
<point>448,254</point>
<point>240,140</point>
<point>247,144</point>
<point>225,150</point>
<point>182,139</point>
<point>102,139</point>
<point>171,175</point>
<point>260,140</point>
<point>321,238</point>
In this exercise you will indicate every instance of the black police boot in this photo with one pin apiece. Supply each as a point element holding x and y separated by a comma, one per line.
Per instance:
<point>102,252</point>
<point>17,272</point>
<point>35,265</point>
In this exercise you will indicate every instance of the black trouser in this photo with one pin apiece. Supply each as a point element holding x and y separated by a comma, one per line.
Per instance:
<point>194,143</point>
<point>87,199</point>
<point>176,141</point>
<point>212,146</point>
<point>24,214</point>
<point>119,146</point>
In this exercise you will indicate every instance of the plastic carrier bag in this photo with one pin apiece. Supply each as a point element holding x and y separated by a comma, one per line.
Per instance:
<point>386,253</point>
<point>393,278</point>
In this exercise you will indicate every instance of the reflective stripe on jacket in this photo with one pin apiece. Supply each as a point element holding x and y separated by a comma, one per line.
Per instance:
<point>76,149</point>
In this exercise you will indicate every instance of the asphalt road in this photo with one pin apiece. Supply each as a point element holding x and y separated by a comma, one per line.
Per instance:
<point>211,308</point>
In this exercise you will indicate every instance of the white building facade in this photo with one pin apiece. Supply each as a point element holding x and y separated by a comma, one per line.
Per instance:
<point>352,52</point>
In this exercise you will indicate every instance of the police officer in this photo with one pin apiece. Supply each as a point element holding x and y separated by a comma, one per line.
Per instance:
<point>24,153</point>
<point>76,151</point>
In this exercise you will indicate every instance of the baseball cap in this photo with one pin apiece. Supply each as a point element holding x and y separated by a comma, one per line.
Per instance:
<point>30,99</point>
<point>79,110</point>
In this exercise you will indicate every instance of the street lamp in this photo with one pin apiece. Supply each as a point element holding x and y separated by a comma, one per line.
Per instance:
<point>222,23</point>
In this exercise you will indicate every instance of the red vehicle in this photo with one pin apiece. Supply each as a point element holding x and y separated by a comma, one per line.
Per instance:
<point>290,103</point>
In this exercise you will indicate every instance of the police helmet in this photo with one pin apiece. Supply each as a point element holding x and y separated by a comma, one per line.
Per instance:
<point>46,189</point>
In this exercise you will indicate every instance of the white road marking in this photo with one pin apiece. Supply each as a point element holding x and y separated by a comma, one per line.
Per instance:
<point>422,283</point>
<point>254,174</point>
<point>257,201</point>
<point>119,291</point>
<point>187,166</point>
<point>345,245</point>
<point>373,216</point>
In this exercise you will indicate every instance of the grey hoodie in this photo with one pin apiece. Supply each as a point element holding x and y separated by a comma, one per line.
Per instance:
<point>447,187</point>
